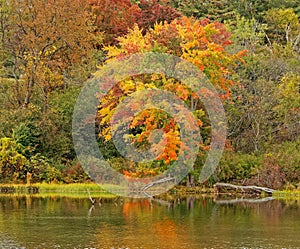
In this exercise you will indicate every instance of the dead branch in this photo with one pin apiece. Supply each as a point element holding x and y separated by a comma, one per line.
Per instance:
<point>163,180</point>
<point>90,197</point>
<point>258,189</point>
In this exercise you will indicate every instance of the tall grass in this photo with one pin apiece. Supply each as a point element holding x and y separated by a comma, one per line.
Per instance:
<point>284,194</point>
<point>69,188</point>
<point>45,187</point>
<point>78,190</point>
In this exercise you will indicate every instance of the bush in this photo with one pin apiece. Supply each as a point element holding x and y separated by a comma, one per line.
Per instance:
<point>75,174</point>
<point>280,165</point>
<point>286,157</point>
<point>13,165</point>
<point>237,167</point>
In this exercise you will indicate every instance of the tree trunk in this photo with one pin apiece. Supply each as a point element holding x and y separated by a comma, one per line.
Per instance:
<point>190,181</point>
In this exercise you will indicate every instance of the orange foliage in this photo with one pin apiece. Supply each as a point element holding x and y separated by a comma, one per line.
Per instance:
<point>199,42</point>
<point>47,38</point>
<point>114,17</point>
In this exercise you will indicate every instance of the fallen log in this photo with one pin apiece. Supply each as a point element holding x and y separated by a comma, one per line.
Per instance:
<point>256,189</point>
<point>163,180</point>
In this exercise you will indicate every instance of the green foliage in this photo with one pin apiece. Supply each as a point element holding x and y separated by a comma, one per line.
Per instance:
<point>284,4</point>
<point>15,167</point>
<point>214,10</point>
<point>27,134</point>
<point>226,10</point>
<point>247,33</point>
<point>264,108</point>
<point>278,166</point>
<point>41,73</point>
<point>50,175</point>
<point>283,25</point>
<point>13,164</point>
<point>57,131</point>
<point>50,135</point>
<point>237,167</point>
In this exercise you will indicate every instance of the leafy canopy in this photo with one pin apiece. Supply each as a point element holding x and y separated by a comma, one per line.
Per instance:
<point>199,42</point>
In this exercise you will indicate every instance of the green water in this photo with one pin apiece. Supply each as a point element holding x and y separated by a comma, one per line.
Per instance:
<point>56,222</point>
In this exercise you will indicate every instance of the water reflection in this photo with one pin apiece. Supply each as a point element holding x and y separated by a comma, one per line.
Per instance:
<point>172,222</point>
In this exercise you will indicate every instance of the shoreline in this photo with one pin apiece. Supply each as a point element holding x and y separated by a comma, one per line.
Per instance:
<point>81,190</point>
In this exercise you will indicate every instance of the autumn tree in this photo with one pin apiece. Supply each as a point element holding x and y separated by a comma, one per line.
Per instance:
<point>113,18</point>
<point>47,50</point>
<point>155,12</point>
<point>43,40</point>
<point>283,27</point>
<point>199,42</point>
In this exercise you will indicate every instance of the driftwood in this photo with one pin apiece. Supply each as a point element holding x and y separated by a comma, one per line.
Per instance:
<point>256,189</point>
<point>163,180</point>
<point>241,200</point>
<point>91,199</point>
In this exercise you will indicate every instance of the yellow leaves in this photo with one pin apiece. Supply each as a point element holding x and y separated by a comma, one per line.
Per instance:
<point>158,27</point>
<point>50,78</point>
<point>133,40</point>
<point>113,52</point>
<point>106,113</point>
<point>51,50</point>
<point>140,87</point>
<point>202,44</point>
<point>289,94</point>
<point>290,85</point>
<point>128,86</point>
<point>192,34</point>
<point>188,46</point>
<point>107,137</point>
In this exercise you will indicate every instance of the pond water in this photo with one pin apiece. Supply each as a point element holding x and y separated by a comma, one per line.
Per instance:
<point>190,222</point>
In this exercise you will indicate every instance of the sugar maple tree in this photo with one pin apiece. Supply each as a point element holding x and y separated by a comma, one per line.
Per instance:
<point>199,42</point>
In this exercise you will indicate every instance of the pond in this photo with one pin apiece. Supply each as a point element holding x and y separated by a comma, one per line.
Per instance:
<point>189,222</point>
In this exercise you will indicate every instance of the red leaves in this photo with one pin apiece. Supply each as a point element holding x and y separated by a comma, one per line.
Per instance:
<point>116,17</point>
<point>152,12</point>
<point>199,42</point>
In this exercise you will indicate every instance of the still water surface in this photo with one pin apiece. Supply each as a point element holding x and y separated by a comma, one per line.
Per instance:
<point>191,222</point>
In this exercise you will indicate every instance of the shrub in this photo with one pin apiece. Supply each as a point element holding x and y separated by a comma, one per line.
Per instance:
<point>12,162</point>
<point>237,167</point>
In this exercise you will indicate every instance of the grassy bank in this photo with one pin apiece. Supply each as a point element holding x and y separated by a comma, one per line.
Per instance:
<point>80,190</point>
<point>295,194</point>
<point>76,190</point>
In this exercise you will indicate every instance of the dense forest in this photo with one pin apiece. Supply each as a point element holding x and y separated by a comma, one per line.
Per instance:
<point>249,50</point>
